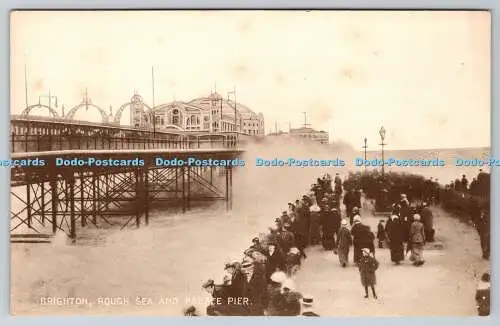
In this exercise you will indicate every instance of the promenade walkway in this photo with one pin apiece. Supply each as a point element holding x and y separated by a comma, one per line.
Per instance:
<point>444,286</point>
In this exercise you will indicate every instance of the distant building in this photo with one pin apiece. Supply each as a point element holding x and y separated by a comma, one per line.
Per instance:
<point>309,133</point>
<point>212,113</point>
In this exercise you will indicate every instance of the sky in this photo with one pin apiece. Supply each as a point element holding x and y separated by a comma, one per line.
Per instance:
<point>423,75</point>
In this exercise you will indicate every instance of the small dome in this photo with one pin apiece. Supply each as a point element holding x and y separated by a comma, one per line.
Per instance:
<point>136,99</point>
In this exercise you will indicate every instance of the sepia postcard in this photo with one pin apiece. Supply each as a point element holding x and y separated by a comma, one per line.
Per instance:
<point>250,163</point>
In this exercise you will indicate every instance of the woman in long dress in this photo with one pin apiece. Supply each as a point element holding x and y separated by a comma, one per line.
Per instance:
<point>314,231</point>
<point>396,236</point>
<point>344,243</point>
<point>417,238</point>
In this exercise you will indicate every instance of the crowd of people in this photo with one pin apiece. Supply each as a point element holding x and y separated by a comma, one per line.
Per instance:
<point>261,284</point>
<point>473,202</point>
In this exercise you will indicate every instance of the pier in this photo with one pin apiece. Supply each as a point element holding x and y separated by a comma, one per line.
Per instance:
<point>68,198</point>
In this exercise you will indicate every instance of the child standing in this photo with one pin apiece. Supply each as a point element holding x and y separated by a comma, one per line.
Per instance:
<point>367,266</point>
<point>381,235</point>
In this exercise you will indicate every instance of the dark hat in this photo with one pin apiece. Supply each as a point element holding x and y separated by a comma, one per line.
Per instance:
<point>290,204</point>
<point>277,219</point>
<point>231,265</point>
<point>208,283</point>
<point>190,310</point>
<point>256,239</point>
<point>284,213</point>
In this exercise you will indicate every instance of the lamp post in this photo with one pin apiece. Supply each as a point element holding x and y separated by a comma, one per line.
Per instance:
<point>365,147</point>
<point>382,137</point>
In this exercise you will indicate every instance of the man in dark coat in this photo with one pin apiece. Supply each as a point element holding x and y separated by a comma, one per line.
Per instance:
<point>404,207</point>
<point>306,203</point>
<point>367,239</point>
<point>348,202</point>
<point>258,246</point>
<point>327,227</point>
<point>300,229</point>
<point>255,288</point>
<point>428,220</point>
<point>465,183</point>
<point>275,259</point>
<point>357,198</point>
<point>219,294</point>
<point>236,281</point>
<point>357,231</point>
<point>287,238</point>
<point>483,227</point>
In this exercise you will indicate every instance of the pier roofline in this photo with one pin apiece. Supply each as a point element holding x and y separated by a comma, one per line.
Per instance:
<point>136,152</point>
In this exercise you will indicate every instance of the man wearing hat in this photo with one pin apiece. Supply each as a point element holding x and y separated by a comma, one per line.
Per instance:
<point>404,207</point>
<point>307,304</point>
<point>255,287</point>
<point>236,280</point>
<point>275,259</point>
<point>257,246</point>
<point>219,298</point>
<point>286,238</point>
<point>357,232</point>
<point>348,202</point>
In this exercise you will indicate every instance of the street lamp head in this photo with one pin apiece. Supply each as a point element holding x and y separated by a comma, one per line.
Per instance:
<point>382,133</point>
<point>366,140</point>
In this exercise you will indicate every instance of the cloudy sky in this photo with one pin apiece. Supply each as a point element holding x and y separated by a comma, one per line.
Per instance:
<point>424,76</point>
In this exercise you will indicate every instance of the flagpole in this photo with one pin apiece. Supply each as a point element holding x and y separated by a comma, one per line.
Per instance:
<point>25,85</point>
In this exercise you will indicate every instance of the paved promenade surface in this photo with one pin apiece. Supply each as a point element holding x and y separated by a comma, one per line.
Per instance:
<point>444,286</point>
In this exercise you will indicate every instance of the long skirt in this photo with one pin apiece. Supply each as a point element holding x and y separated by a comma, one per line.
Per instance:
<point>343,253</point>
<point>417,250</point>
<point>397,252</point>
